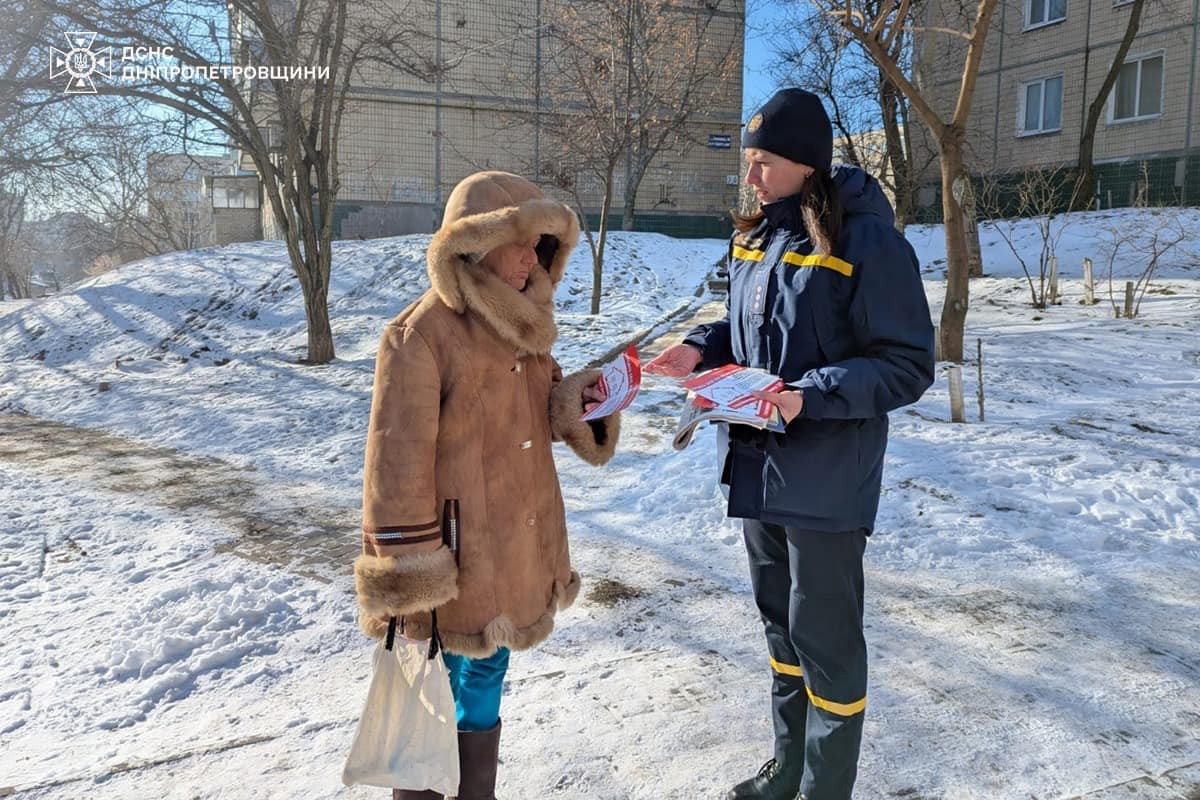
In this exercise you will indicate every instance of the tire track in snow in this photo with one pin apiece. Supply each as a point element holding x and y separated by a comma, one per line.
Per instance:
<point>320,537</point>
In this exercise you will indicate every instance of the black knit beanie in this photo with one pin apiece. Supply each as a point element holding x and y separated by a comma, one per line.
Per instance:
<point>793,124</point>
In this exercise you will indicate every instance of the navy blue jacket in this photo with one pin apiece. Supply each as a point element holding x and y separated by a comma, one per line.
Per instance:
<point>851,331</point>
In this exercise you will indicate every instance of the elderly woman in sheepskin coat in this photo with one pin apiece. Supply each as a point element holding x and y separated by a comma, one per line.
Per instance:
<point>467,401</point>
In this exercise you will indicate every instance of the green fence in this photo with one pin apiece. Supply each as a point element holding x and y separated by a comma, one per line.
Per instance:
<point>1167,181</point>
<point>680,226</point>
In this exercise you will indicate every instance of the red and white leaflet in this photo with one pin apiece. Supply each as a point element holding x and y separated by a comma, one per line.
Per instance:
<point>620,381</point>
<point>730,387</point>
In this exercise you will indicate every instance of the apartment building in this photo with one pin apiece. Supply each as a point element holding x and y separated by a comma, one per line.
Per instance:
<point>200,200</point>
<point>1042,67</point>
<point>406,139</point>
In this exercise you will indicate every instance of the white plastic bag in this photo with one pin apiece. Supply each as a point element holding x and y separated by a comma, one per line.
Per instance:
<point>407,737</point>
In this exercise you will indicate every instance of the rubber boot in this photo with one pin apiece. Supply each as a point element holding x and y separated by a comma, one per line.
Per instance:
<point>478,760</point>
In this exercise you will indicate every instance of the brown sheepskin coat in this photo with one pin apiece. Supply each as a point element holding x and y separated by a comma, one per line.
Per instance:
<point>466,403</point>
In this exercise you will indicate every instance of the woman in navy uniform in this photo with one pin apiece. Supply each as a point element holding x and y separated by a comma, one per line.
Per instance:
<point>826,294</point>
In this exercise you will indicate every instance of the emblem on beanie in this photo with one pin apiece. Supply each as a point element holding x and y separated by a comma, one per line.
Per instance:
<point>755,123</point>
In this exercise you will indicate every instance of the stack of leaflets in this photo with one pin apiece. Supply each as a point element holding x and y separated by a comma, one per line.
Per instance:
<point>724,395</point>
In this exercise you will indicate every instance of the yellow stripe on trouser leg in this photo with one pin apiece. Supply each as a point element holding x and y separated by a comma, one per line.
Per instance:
<point>786,669</point>
<point>841,709</point>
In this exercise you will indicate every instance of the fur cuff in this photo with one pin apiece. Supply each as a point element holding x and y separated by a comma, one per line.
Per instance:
<point>594,442</point>
<point>392,586</point>
<point>374,627</point>
<point>500,632</point>
<point>565,596</point>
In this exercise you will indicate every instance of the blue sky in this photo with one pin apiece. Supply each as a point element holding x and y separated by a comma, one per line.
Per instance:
<point>768,26</point>
<point>762,19</point>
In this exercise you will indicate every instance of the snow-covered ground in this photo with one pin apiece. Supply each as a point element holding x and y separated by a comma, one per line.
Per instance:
<point>178,514</point>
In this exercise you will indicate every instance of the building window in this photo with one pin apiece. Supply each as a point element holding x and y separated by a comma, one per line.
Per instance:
<point>1138,92</point>
<point>1044,12</point>
<point>232,197</point>
<point>1041,106</point>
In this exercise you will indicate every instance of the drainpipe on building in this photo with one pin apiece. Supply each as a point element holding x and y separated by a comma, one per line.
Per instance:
<point>999,82</point>
<point>537,96</point>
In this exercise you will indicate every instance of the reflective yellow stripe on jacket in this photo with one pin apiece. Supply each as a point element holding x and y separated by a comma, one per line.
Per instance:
<point>841,709</point>
<point>829,262</point>
<point>790,257</point>
<point>747,255</point>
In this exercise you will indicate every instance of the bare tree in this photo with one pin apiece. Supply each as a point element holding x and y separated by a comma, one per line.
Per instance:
<point>623,83</point>
<point>869,115</point>
<point>27,133</point>
<point>1085,179</point>
<point>1037,201</point>
<point>149,201</point>
<point>14,263</point>
<point>1147,245</point>
<point>878,27</point>
<point>820,56</point>
<point>588,143</point>
<point>284,117</point>
<point>680,63</point>
<point>31,142</point>
<point>902,171</point>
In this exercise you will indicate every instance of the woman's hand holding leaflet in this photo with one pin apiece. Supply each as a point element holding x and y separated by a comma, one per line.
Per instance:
<point>790,402</point>
<point>677,361</point>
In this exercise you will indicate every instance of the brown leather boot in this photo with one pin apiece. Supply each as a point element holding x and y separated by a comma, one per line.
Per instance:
<point>414,794</point>
<point>478,759</point>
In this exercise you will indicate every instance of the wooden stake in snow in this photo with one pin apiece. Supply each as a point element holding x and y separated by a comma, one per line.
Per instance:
<point>1053,280</point>
<point>979,366</point>
<point>1089,284</point>
<point>1128,299</point>
<point>956,394</point>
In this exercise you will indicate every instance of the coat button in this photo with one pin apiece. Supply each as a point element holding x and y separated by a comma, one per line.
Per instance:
<point>531,520</point>
<point>526,445</point>
<point>517,368</point>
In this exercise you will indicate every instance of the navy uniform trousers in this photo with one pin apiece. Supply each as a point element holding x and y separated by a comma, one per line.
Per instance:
<point>808,586</point>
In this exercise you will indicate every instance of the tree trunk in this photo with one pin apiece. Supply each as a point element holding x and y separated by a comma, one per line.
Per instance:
<point>312,263</point>
<point>630,204</point>
<point>633,182</point>
<point>971,228</point>
<point>320,334</point>
<point>954,310</point>
<point>1084,193</point>
<point>897,154</point>
<point>598,256</point>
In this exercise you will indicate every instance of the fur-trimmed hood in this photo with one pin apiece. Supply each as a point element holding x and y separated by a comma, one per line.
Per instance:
<point>487,210</point>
